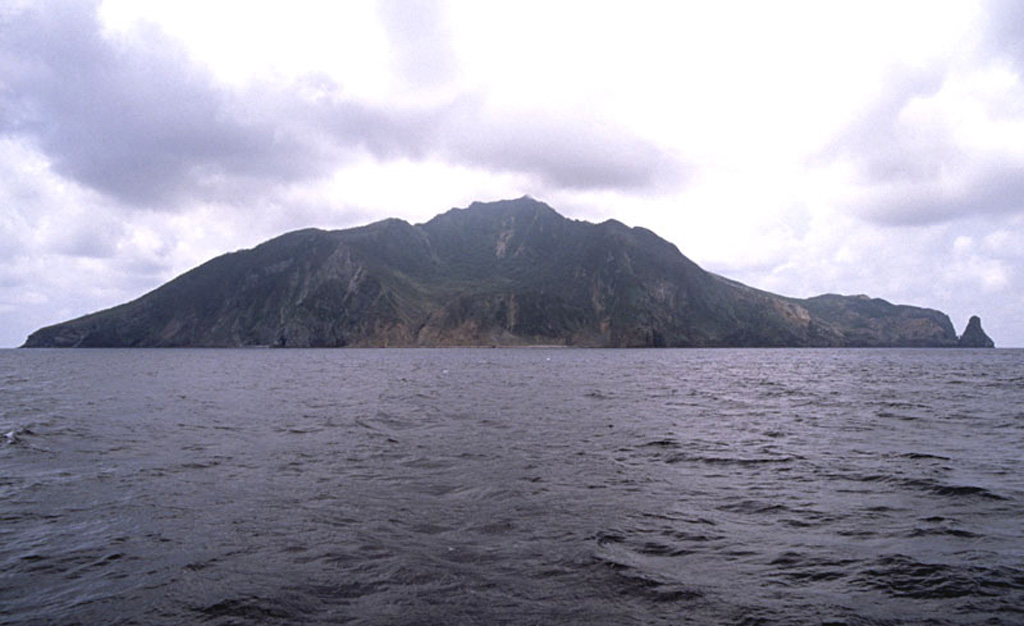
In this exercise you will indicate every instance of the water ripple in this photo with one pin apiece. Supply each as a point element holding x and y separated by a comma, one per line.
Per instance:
<point>512,487</point>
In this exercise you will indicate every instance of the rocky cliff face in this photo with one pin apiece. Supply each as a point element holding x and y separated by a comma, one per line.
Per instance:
<point>504,273</point>
<point>974,336</point>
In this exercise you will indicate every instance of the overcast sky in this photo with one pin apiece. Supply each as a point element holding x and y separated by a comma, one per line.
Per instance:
<point>798,147</point>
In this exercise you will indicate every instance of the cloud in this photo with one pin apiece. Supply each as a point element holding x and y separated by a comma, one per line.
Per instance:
<point>927,158</point>
<point>873,138</point>
<point>942,142</point>
<point>141,125</point>
<point>1004,30</point>
<point>41,213</point>
<point>574,153</point>
<point>972,266</point>
<point>560,151</point>
<point>133,117</point>
<point>992,190</point>
<point>419,41</point>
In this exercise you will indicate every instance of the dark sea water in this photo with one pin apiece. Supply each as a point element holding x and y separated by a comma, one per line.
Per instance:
<point>512,487</point>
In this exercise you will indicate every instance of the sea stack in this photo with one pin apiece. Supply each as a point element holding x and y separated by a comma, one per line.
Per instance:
<point>974,336</point>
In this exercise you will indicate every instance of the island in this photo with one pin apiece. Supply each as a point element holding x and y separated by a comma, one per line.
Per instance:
<point>505,273</point>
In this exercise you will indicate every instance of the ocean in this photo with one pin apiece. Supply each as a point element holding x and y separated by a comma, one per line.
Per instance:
<point>512,486</point>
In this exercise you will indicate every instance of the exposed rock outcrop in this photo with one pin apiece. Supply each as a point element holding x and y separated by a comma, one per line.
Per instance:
<point>513,272</point>
<point>974,336</point>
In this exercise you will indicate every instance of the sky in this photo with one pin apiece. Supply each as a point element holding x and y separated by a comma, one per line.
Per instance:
<point>799,147</point>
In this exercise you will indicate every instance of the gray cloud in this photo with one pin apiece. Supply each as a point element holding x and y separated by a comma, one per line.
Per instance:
<point>565,153</point>
<point>993,191</point>
<point>873,140</point>
<point>1004,34</point>
<point>919,175</point>
<point>148,127</point>
<point>139,125</point>
<point>88,237</point>
<point>916,174</point>
<point>384,132</point>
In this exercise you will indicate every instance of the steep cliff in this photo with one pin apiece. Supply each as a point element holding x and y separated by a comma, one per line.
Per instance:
<point>513,272</point>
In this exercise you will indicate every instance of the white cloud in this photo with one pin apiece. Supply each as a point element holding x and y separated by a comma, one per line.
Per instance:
<point>970,265</point>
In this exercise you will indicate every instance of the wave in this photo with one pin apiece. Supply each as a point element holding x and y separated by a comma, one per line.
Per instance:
<point>951,491</point>
<point>728,460</point>
<point>19,437</point>
<point>925,485</point>
<point>14,436</point>
<point>256,610</point>
<point>925,456</point>
<point>905,577</point>
<point>638,574</point>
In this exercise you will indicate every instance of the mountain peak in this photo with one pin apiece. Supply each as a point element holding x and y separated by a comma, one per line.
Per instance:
<point>521,201</point>
<point>521,205</point>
